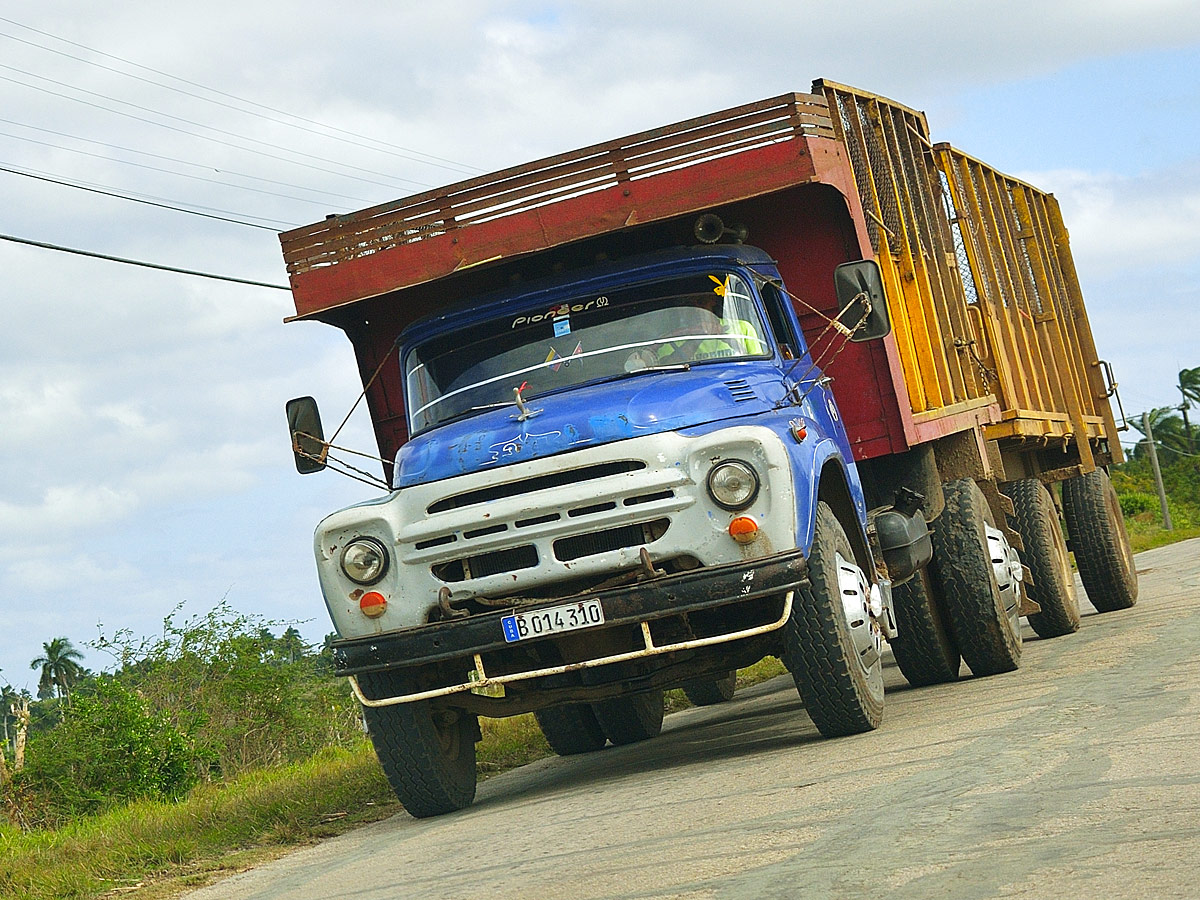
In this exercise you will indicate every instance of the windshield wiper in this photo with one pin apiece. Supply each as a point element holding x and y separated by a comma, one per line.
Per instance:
<point>471,410</point>
<point>675,367</point>
<point>497,405</point>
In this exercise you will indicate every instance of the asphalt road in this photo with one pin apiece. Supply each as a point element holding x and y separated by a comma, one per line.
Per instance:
<point>1076,777</point>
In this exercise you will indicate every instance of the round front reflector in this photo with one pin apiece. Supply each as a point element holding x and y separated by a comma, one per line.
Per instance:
<point>743,529</point>
<point>373,604</point>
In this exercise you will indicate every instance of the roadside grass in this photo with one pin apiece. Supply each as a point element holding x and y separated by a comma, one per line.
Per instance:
<point>155,850</point>
<point>219,827</point>
<point>1146,532</point>
<point>1135,486</point>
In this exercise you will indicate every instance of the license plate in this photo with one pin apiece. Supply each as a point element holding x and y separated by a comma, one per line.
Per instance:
<point>555,619</point>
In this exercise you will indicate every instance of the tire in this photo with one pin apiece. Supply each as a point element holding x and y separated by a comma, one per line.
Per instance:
<point>924,648</point>
<point>571,729</point>
<point>427,755</point>
<point>627,720</point>
<point>830,645</point>
<point>1099,540</point>
<point>1053,587</point>
<point>986,630</point>
<point>707,692</point>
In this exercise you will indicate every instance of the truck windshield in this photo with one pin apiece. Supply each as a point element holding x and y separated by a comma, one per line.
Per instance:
<point>680,322</point>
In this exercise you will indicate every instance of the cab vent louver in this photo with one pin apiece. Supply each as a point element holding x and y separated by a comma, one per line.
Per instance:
<point>741,391</point>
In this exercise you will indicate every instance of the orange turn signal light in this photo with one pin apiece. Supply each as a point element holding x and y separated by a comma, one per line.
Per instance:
<point>743,529</point>
<point>373,604</point>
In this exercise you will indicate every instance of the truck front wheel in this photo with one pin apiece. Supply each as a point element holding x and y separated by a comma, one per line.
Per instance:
<point>1098,537</point>
<point>571,729</point>
<point>427,754</point>
<point>831,647</point>
<point>984,619</point>
<point>1053,587</point>
<point>924,648</point>
<point>626,720</point>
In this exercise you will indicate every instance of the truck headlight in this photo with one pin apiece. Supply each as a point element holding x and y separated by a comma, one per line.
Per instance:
<point>365,560</point>
<point>733,484</point>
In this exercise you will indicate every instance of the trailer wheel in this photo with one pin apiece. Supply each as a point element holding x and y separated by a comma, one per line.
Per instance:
<point>627,720</point>
<point>831,646</point>
<point>706,692</point>
<point>427,754</point>
<point>1053,587</point>
<point>571,729</point>
<point>984,619</point>
<point>1100,542</point>
<point>924,648</point>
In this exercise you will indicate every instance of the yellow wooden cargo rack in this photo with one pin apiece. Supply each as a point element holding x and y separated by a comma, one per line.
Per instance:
<point>985,301</point>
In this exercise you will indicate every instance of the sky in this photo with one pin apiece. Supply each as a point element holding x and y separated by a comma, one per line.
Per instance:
<point>145,464</point>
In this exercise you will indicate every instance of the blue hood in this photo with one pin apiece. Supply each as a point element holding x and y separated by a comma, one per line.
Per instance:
<point>588,416</point>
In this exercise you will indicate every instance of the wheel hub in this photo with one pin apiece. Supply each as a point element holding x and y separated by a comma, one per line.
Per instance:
<point>856,605</point>
<point>1006,565</point>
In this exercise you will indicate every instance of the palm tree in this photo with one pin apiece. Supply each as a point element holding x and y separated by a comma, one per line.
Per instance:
<point>1168,433</point>
<point>1189,386</point>
<point>60,668</point>
<point>291,645</point>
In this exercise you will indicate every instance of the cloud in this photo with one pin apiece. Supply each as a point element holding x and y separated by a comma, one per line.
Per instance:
<point>1121,221</point>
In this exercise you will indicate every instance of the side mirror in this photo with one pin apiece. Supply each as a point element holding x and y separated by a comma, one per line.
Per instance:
<point>856,282</point>
<point>308,439</point>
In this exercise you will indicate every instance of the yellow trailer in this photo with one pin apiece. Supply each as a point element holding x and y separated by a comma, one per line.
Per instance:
<point>985,301</point>
<point>1007,394</point>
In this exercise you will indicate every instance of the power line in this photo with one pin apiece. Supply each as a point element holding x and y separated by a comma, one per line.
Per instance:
<point>382,148</point>
<point>166,172</point>
<point>182,162</point>
<point>158,169</point>
<point>156,201</point>
<point>137,262</point>
<point>206,137</point>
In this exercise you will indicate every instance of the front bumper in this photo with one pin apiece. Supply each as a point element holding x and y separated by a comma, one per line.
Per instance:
<point>440,646</point>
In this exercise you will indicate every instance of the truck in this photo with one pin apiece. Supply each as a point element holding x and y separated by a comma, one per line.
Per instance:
<point>788,380</point>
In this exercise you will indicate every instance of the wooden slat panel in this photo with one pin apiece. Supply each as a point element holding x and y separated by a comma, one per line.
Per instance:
<point>1063,387</point>
<point>553,179</point>
<point>871,177</point>
<point>920,240</point>
<point>983,262</point>
<point>1017,311</point>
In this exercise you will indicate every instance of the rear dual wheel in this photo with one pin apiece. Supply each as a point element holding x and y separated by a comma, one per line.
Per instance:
<point>1098,538</point>
<point>706,692</point>
<point>632,718</point>
<point>1052,584</point>
<point>972,568</point>
<point>924,648</point>
<point>571,729</point>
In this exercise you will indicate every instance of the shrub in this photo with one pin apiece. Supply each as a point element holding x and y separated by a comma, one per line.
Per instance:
<point>221,678</point>
<point>1136,502</point>
<point>110,747</point>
